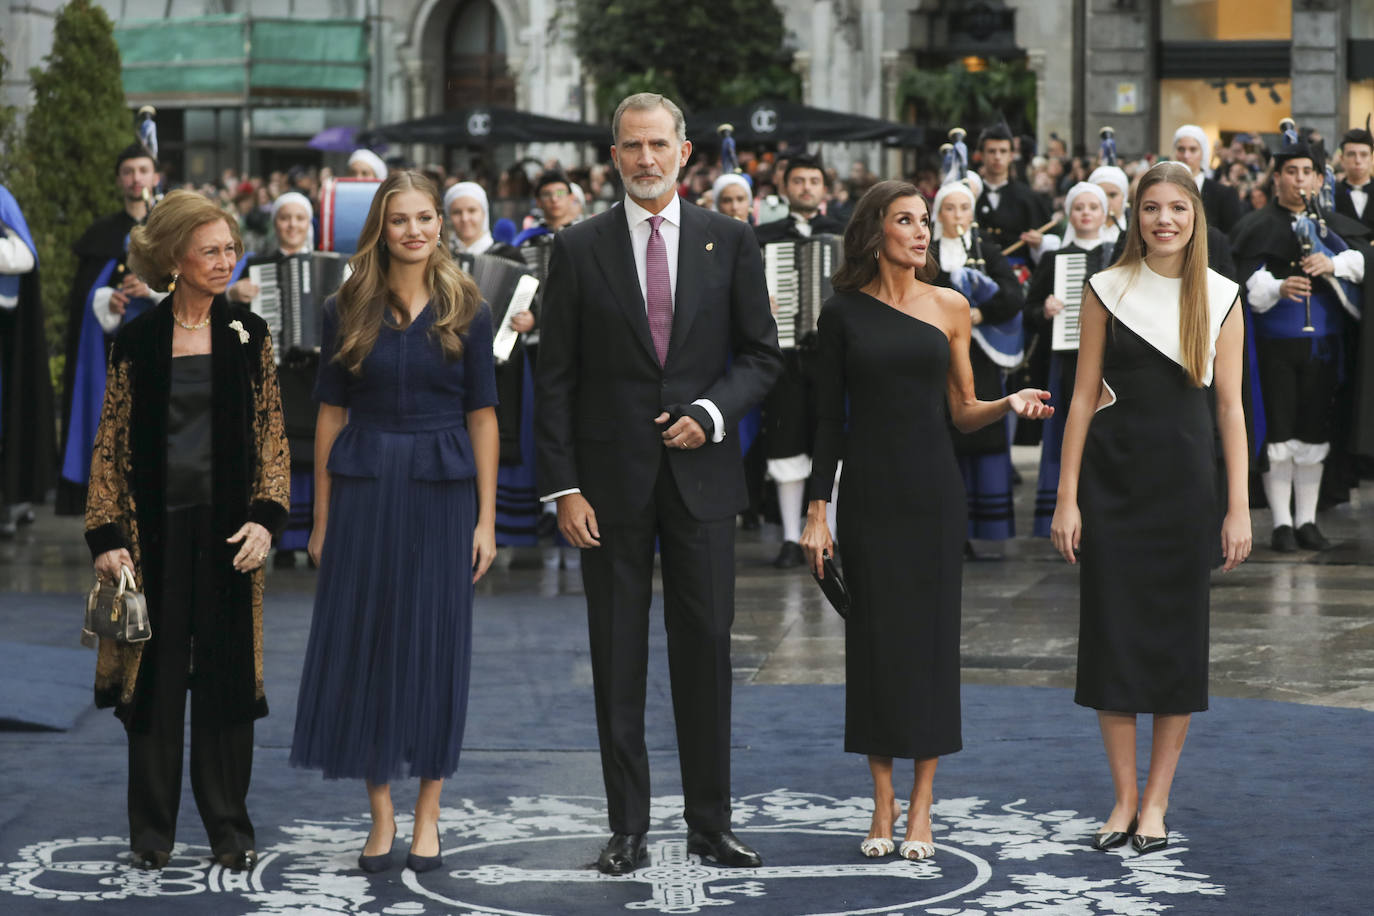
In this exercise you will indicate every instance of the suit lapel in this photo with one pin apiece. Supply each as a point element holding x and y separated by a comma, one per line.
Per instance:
<point>617,261</point>
<point>692,260</point>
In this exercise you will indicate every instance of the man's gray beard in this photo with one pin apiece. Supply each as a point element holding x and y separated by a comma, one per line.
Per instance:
<point>654,191</point>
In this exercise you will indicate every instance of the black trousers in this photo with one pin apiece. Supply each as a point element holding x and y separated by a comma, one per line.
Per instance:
<point>698,567</point>
<point>221,755</point>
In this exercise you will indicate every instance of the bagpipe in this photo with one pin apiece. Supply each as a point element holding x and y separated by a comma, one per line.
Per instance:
<point>1003,343</point>
<point>1314,237</point>
<point>145,134</point>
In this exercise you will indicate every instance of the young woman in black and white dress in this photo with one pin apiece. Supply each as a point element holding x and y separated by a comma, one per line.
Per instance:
<point>1138,489</point>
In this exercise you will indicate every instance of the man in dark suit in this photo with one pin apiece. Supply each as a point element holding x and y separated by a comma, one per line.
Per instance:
<point>1352,191</point>
<point>788,415</point>
<point>1008,210</point>
<point>657,339</point>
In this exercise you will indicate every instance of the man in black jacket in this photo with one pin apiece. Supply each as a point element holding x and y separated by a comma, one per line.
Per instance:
<point>1352,191</point>
<point>788,418</point>
<point>656,342</point>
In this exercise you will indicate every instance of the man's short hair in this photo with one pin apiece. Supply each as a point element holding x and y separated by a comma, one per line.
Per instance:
<point>552,176</point>
<point>802,161</point>
<point>649,101</point>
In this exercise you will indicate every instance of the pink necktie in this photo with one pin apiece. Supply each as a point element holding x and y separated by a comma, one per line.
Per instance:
<point>660,290</point>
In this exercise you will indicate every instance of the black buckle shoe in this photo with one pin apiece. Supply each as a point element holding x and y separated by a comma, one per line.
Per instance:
<point>624,853</point>
<point>239,860</point>
<point>724,847</point>
<point>151,859</point>
<point>1284,540</point>
<point>1310,537</point>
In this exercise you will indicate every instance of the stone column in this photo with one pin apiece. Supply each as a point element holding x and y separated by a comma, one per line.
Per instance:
<point>417,87</point>
<point>892,69</point>
<point>1120,50</point>
<point>1320,88</point>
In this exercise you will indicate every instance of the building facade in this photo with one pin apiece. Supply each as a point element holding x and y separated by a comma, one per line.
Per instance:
<point>1140,66</point>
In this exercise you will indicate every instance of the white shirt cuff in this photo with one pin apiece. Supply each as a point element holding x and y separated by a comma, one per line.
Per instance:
<point>717,420</point>
<point>1349,265</point>
<point>552,496</point>
<point>15,257</point>
<point>100,307</point>
<point>1262,290</point>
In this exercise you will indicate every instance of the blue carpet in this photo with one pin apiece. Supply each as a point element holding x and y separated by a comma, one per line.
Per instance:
<point>44,687</point>
<point>1267,801</point>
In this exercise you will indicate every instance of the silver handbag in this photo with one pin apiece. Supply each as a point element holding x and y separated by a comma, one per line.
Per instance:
<point>116,611</point>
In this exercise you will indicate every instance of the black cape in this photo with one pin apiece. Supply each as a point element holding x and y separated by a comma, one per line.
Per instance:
<point>28,437</point>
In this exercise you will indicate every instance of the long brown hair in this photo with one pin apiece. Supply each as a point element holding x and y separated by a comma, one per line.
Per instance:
<point>365,298</point>
<point>864,237</point>
<point>158,246</point>
<point>1194,320</point>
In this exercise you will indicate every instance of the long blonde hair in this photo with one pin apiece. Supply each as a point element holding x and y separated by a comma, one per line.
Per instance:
<point>365,298</point>
<point>1194,324</point>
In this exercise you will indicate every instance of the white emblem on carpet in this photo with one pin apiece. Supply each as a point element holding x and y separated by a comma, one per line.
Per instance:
<point>990,859</point>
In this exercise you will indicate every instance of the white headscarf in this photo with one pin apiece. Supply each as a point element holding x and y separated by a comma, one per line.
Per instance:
<point>1085,187</point>
<point>724,181</point>
<point>1111,175</point>
<point>946,189</point>
<point>296,197</point>
<point>1198,134</point>
<point>370,159</point>
<point>478,193</point>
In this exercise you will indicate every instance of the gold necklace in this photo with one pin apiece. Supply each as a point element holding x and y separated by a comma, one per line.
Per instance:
<point>191,327</point>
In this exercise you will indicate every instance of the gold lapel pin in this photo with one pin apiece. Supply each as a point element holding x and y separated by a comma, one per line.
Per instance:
<point>710,245</point>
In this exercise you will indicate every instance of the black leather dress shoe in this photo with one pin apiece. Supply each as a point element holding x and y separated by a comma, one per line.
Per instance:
<point>624,853</point>
<point>1110,839</point>
<point>790,556</point>
<point>1310,537</point>
<point>242,860</point>
<point>1284,540</point>
<point>151,859</point>
<point>724,847</point>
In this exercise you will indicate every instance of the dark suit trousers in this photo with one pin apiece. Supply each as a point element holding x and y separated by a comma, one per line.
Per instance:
<point>698,567</point>
<point>221,755</point>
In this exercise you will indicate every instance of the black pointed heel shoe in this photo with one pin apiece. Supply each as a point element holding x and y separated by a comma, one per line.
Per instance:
<point>1111,839</point>
<point>422,864</point>
<point>378,863</point>
<point>1143,844</point>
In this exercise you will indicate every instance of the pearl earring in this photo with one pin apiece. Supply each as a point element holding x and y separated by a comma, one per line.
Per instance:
<point>171,287</point>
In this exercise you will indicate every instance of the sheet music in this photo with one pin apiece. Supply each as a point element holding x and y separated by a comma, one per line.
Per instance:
<point>504,341</point>
<point>1070,273</point>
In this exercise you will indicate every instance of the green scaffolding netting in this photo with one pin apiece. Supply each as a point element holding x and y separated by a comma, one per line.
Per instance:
<point>235,55</point>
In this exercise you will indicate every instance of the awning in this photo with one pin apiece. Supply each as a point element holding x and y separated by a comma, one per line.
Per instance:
<point>233,59</point>
<point>771,122</point>
<point>484,126</point>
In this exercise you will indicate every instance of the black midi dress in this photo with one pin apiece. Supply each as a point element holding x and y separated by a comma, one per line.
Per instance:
<point>902,519</point>
<point>1148,497</point>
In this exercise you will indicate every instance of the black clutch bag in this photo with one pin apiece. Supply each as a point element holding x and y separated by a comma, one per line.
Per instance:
<point>833,587</point>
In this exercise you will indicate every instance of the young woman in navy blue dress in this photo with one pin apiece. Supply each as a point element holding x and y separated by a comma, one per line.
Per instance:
<point>406,453</point>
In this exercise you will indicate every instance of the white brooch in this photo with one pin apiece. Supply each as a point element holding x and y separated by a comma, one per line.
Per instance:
<point>237,325</point>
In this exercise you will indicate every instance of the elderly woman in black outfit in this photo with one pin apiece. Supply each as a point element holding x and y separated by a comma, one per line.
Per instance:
<point>189,480</point>
<point>893,364</point>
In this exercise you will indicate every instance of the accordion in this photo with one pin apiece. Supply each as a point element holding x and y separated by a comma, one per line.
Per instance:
<point>291,291</point>
<point>537,252</point>
<point>798,274</point>
<point>508,289</point>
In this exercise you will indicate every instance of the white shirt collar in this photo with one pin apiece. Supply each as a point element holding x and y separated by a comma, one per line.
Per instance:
<point>479,246</point>
<point>635,214</point>
<point>1199,178</point>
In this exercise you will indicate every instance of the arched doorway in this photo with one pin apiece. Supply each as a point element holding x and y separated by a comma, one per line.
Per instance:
<point>475,58</point>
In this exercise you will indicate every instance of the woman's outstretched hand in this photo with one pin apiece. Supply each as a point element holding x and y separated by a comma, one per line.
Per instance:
<point>1030,403</point>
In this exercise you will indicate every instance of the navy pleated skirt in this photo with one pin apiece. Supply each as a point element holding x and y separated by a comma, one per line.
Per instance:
<point>385,685</point>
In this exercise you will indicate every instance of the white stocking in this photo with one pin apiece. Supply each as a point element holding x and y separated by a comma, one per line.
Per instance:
<point>791,495</point>
<point>1278,489</point>
<point>1307,484</point>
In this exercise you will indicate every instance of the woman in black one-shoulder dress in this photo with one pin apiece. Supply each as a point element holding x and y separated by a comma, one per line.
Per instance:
<point>895,349</point>
<point>1138,492</point>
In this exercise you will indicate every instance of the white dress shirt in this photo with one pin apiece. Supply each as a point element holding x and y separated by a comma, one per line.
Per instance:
<point>1359,197</point>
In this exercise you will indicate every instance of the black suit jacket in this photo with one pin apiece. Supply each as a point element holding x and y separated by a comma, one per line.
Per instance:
<point>1018,210</point>
<point>599,385</point>
<point>1346,206</point>
<point>786,228</point>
